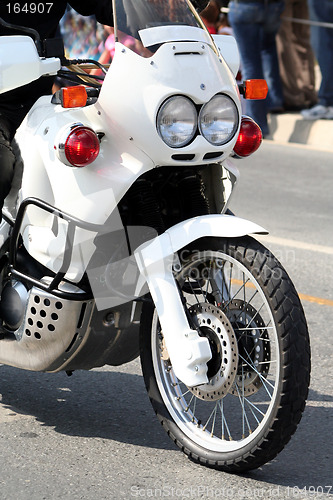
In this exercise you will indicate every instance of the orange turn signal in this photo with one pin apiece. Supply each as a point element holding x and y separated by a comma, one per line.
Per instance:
<point>255,89</point>
<point>73,97</point>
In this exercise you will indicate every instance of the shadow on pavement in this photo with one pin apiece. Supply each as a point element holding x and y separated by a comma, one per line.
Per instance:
<point>104,404</point>
<point>115,406</point>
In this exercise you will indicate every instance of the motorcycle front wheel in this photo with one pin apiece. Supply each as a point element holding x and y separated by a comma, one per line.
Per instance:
<point>242,300</point>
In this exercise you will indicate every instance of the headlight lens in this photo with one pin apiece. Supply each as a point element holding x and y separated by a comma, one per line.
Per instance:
<point>218,120</point>
<point>177,121</point>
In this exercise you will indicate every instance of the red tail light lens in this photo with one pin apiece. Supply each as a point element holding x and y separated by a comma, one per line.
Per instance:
<point>81,147</point>
<point>249,138</point>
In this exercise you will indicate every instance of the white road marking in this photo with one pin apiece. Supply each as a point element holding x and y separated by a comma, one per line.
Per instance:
<point>302,245</point>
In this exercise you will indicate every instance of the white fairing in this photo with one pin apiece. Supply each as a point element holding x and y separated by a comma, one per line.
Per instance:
<point>126,113</point>
<point>20,63</point>
<point>226,44</point>
<point>228,48</point>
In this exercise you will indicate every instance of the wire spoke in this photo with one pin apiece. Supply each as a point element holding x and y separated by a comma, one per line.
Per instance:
<point>251,328</point>
<point>244,416</point>
<point>183,394</point>
<point>224,422</point>
<point>263,380</point>
<point>247,303</point>
<point>193,411</point>
<point>210,416</point>
<point>261,363</point>
<point>189,403</point>
<point>254,406</point>
<point>213,425</point>
<point>232,298</point>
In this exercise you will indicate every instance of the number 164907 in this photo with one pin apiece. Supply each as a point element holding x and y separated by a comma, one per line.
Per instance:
<point>29,8</point>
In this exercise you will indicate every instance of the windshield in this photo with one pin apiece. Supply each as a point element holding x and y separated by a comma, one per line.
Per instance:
<point>137,18</point>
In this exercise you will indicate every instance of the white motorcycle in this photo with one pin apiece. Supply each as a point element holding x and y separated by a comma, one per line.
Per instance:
<point>117,239</point>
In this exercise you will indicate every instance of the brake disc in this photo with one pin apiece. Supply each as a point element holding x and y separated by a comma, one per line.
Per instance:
<point>222,368</point>
<point>253,347</point>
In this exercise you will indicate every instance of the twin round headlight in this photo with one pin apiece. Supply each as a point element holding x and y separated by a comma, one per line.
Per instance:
<point>178,119</point>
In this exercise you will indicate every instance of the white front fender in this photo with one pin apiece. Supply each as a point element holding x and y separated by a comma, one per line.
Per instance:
<point>188,351</point>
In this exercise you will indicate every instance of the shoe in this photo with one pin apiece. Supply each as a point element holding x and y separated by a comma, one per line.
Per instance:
<point>318,112</point>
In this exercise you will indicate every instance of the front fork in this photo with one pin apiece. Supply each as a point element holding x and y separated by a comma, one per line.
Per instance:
<point>189,353</point>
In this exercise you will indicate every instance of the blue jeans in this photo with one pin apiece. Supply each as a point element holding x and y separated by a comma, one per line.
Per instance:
<point>322,43</point>
<point>255,26</point>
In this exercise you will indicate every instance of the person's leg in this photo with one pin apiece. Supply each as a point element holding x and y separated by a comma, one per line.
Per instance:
<point>324,12</point>
<point>305,54</point>
<point>314,29</point>
<point>296,59</point>
<point>322,42</point>
<point>286,56</point>
<point>7,159</point>
<point>246,22</point>
<point>271,24</point>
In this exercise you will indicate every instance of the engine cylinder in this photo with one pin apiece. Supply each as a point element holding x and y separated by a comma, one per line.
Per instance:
<point>13,303</point>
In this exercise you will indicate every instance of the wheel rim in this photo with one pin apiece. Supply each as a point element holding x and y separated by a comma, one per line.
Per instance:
<point>229,422</point>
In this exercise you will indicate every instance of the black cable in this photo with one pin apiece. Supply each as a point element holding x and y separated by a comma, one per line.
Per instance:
<point>69,62</point>
<point>84,74</point>
<point>71,78</point>
<point>24,29</point>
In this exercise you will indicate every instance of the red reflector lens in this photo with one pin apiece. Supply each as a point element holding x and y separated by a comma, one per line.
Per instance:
<point>249,138</point>
<point>81,147</point>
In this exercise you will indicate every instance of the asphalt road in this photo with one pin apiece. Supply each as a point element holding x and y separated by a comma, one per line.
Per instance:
<point>94,435</point>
